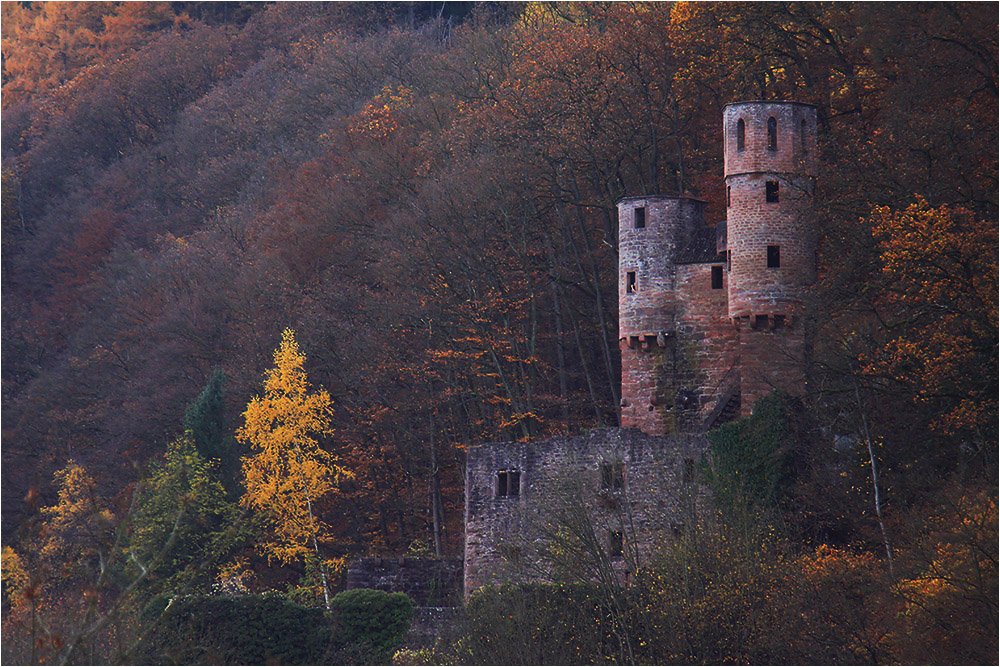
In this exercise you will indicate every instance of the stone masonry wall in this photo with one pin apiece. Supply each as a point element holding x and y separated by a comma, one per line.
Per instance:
<point>429,582</point>
<point>647,303</point>
<point>706,337</point>
<point>506,535</point>
<point>770,359</point>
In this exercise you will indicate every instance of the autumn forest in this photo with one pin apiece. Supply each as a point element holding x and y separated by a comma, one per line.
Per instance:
<point>390,229</point>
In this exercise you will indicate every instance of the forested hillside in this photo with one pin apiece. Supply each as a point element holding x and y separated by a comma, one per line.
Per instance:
<point>424,193</point>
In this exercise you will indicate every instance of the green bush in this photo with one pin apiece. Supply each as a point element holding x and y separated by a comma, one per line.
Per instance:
<point>203,630</point>
<point>538,624</point>
<point>751,458</point>
<point>370,624</point>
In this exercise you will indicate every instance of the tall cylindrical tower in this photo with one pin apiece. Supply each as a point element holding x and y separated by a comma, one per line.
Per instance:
<point>770,170</point>
<point>650,230</point>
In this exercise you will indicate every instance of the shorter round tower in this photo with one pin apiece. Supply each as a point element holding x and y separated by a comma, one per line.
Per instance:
<point>650,230</point>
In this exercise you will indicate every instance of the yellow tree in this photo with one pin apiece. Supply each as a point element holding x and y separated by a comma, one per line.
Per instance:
<point>287,472</point>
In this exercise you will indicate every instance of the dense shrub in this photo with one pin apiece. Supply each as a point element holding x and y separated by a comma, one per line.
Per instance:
<point>538,624</point>
<point>366,627</point>
<point>370,624</point>
<point>751,458</point>
<point>254,630</point>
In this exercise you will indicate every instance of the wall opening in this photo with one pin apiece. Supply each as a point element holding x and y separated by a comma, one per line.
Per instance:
<point>613,476</point>
<point>687,476</point>
<point>640,217</point>
<point>802,136</point>
<point>771,191</point>
<point>616,543</point>
<point>729,260</point>
<point>741,134</point>
<point>729,196</point>
<point>630,286</point>
<point>772,134</point>
<point>716,277</point>
<point>508,483</point>
<point>773,257</point>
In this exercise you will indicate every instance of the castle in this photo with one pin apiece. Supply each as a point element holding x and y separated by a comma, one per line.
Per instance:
<point>710,320</point>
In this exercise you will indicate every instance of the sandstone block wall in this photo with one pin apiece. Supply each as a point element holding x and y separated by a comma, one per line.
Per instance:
<point>653,374</point>
<point>429,582</point>
<point>506,535</point>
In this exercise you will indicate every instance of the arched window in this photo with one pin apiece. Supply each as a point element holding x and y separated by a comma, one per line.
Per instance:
<point>741,132</point>
<point>772,134</point>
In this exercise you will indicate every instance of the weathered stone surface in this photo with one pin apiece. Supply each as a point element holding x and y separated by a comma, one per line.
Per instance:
<point>428,582</point>
<point>703,335</point>
<point>504,534</point>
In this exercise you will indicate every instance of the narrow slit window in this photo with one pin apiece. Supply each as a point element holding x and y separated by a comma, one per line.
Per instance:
<point>716,277</point>
<point>616,543</point>
<point>688,475</point>
<point>630,286</point>
<point>640,217</point>
<point>772,134</point>
<point>741,134</point>
<point>773,256</point>
<point>802,136</point>
<point>613,476</point>
<point>729,196</point>
<point>729,260</point>
<point>771,191</point>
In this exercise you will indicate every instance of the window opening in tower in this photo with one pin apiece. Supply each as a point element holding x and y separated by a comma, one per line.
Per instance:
<point>741,131</point>
<point>640,217</point>
<point>773,257</point>
<point>630,286</point>
<point>771,191</point>
<point>772,134</point>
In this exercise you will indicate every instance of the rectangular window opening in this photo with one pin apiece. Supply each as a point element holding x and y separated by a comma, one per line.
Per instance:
<point>640,217</point>
<point>501,484</point>
<point>771,191</point>
<point>773,257</point>
<point>688,475</point>
<point>729,196</point>
<point>716,277</point>
<point>616,543</point>
<point>513,483</point>
<point>613,476</point>
<point>630,287</point>
<point>729,260</point>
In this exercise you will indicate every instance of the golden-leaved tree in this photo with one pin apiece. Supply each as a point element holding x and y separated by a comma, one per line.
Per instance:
<point>286,471</point>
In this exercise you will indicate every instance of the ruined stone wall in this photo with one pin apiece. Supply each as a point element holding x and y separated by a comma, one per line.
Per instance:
<point>429,582</point>
<point>506,534</point>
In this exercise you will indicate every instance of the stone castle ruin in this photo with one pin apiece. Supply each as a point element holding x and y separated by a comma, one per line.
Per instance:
<point>710,320</point>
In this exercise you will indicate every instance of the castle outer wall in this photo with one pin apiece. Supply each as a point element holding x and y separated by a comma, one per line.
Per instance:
<point>635,490</point>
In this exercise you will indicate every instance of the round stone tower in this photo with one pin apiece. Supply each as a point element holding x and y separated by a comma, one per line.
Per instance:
<point>770,169</point>
<point>650,232</point>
